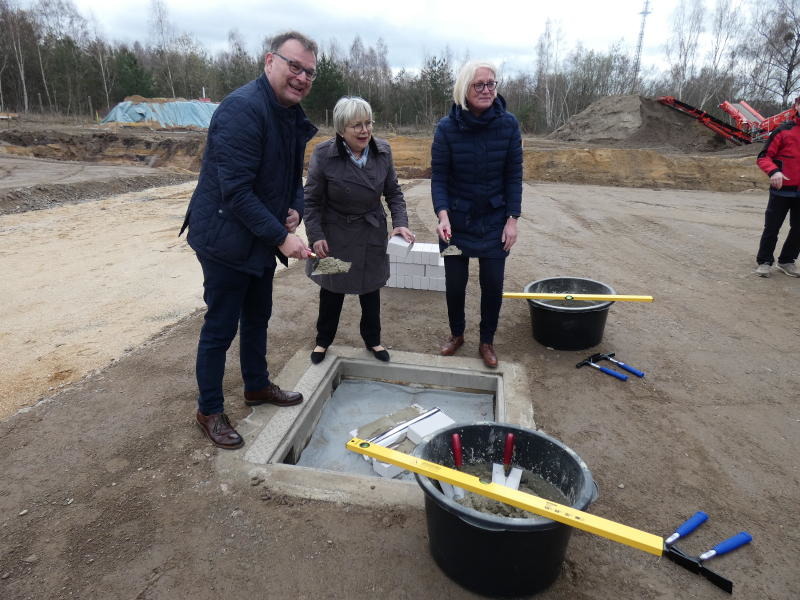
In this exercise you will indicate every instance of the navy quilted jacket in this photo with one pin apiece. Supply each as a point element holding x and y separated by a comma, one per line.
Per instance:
<point>476,175</point>
<point>251,175</point>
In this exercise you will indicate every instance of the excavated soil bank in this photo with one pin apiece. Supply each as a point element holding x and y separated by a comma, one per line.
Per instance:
<point>154,149</point>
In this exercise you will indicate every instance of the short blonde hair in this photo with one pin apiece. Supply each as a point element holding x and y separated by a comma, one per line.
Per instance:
<point>465,77</point>
<point>350,108</point>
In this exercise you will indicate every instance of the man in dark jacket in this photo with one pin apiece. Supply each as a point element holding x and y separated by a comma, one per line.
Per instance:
<point>780,160</point>
<point>243,213</point>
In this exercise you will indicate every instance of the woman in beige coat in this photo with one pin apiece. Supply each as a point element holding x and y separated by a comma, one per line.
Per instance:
<point>344,218</point>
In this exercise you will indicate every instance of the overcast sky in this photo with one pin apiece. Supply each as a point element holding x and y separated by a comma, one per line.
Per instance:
<point>504,32</point>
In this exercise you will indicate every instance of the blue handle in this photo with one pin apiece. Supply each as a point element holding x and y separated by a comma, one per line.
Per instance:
<point>633,370</point>
<point>732,543</point>
<point>692,523</point>
<point>613,373</point>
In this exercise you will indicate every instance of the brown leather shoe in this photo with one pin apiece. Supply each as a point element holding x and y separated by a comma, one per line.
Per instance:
<point>272,394</point>
<point>452,345</point>
<point>219,430</point>
<point>487,354</point>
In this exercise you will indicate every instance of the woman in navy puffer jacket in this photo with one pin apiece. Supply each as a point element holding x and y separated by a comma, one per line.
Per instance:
<point>476,185</point>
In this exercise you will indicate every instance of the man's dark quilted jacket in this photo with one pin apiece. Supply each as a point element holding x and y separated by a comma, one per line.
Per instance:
<point>476,175</point>
<point>251,175</point>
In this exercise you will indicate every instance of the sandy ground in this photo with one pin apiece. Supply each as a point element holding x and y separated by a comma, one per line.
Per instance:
<point>109,491</point>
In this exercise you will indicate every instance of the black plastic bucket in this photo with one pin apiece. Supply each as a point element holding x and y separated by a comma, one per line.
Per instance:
<point>568,324</point>
<point>495,555</point>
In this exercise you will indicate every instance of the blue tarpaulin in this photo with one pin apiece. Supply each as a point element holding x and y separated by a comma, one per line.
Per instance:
<point>180,113</point>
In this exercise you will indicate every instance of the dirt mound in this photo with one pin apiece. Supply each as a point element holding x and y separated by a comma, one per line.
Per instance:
<point>638,122</point>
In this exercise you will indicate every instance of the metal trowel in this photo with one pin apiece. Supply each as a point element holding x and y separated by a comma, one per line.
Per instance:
<point>505,474</point>
<point>329,265</point>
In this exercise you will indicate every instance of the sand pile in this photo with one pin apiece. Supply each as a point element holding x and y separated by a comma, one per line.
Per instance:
<point>638,122</point>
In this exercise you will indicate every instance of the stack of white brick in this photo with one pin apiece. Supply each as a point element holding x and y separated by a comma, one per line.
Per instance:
<point>416,266</point>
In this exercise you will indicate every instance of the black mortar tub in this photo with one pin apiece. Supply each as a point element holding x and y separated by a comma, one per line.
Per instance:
<point>495,555</point>
<point>568,324</point>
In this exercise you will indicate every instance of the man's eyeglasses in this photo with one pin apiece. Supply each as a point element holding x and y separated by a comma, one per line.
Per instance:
<point>296,68</point>
<point>359,127</point>
<point>489,85</point>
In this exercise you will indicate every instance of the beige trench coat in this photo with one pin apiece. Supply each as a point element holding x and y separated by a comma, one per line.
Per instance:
<point>343,206</point>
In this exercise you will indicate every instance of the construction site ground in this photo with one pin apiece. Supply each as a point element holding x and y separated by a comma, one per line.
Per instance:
<point>110,491</point>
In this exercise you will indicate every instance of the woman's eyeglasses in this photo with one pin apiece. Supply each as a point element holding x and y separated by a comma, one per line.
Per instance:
<point>359,127</point>
<point>489,85</point>
<point>296,68</point>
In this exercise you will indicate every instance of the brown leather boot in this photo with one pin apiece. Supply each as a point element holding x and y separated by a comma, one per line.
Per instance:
<point>219,430</point>
<point>487,354</point>
<point>452,345</point>
<point>272,394</point>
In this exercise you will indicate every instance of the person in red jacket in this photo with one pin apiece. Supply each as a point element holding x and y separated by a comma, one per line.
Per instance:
<point>780,160</point>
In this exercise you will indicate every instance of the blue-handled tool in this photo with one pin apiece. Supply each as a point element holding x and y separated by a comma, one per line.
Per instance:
<point>619,363</point>
<point>732,543</point>
<point>688,526</point>
<point>590,361</point>
<point>695,564</point>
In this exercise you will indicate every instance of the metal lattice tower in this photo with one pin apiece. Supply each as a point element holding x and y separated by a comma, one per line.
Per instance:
<point>644,13</point>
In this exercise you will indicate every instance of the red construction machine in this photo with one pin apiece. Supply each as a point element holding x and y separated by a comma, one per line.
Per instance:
<point>750,125</point>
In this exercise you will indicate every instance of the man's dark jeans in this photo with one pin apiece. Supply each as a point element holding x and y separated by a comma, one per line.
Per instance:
<point>234,300</point>
<point>777,207</point>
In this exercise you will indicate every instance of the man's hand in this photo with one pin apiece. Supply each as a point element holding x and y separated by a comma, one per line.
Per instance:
<point>443,228</point>
<point>776,180</point>
<point>294,247</point>
<point>509,234</point>
<point>292,221</point>
<point>405,233</point>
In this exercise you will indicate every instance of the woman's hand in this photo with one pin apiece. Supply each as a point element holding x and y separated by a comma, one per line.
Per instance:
<point>443,228</point>
<point>321,248</point>
<point>509,234</point>
<point>405,232</point>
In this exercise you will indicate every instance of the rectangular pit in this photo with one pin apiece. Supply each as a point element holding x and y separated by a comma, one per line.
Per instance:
<point>279,436</point>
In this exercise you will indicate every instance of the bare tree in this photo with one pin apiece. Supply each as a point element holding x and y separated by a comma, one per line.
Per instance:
<point>687,25</point>
<point>163,35</point>
<point>774,51</point>
<point>725,29</point>
<point>547,51</point>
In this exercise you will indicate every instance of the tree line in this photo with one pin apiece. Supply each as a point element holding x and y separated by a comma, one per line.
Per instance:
<point>53,60</point>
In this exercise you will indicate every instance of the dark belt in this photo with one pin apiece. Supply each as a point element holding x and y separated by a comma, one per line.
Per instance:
<point>371,218</point>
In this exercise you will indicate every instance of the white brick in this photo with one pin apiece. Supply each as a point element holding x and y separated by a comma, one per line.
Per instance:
<point>436,284</point>
<point>413,270</point>
<point>397,246</point>
<point>425,427</point>
<point>417,282</point>
<point>409,281</point>
<point>434,271</point>
<point>386,470</point>
<point>392,282</point>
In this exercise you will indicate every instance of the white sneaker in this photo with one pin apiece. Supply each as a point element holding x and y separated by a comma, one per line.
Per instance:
<point>789,268</point>
<point>762,270</point>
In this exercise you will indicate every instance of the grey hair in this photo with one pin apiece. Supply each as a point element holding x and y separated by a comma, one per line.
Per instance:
<point>347,109</point>
<point>279,40</point>
<point>465,77</point>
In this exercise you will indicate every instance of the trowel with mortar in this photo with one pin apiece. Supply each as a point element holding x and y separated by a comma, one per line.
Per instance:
<point>450,250</point>
<point>617,532</point>
<point>452,491</point>
<point>505,474</point>
<point>329,265</point>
